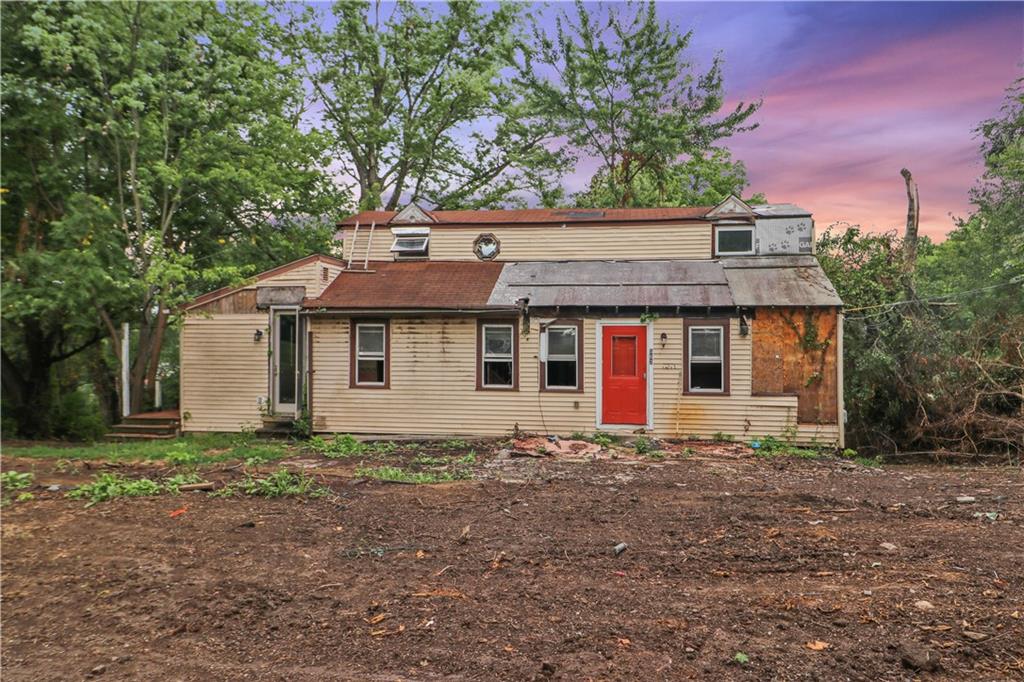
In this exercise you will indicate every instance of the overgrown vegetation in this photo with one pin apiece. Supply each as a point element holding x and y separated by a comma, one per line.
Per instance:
<point>346,445</point>
<point>770,446</point>
<point>934,333</point>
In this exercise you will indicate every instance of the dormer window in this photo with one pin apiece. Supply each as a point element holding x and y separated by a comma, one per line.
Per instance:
<point>410,242</point>
<point>734,241</point>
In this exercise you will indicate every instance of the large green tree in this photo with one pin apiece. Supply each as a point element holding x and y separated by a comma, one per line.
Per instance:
<point>417,102</point>
<point>623,90</point>
<point>157,147</point>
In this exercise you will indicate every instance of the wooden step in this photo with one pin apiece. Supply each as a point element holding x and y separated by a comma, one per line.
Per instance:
<point>124,436</point>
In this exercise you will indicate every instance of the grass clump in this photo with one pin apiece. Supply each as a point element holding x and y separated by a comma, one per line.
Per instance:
<point>348,446</point>
<point>394,474</point>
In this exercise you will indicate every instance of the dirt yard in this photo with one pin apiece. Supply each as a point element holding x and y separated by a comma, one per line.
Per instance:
<point>735,567</point>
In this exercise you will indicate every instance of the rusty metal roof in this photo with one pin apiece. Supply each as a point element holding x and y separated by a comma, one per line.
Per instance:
<point>751,281</point>
<point>780,281</point>
<point>416,285</point>
<point>539,216</point>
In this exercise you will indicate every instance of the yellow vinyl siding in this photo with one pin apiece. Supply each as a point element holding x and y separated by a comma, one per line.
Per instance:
<point>433,388</point>
<point>433,385</point>
<point>605,242</point>
<point>309,276</point>
<point>223,372</point>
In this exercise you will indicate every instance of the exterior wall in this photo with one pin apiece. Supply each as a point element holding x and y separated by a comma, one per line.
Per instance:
<point>740,414</point>
<point>223,371</point>
<point>433,388</point>
<point>604,242</point>
<point>433,385</point>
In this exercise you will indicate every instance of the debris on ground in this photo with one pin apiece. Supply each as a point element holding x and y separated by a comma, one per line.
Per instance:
<point>538,446</point>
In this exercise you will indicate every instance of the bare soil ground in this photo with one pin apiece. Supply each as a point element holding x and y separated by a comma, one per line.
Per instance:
<point>811,570</point>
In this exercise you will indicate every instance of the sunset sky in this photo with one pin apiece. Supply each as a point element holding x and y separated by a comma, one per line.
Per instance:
<point>855,91</point>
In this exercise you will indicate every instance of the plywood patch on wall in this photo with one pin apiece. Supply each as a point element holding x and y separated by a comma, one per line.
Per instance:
<point>794,353</point>
<point>242,301</point>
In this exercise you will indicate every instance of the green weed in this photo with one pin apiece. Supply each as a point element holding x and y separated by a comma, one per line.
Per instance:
<point>770,446</point>
<point>398,475</point>
<point>868,461</point>
<point>605,440</point>
<point>454,444</point>
<point>644,445</point>
<point>741,658</point>
<point>281,483</point>
<point>338,447</point>
<point>108,486</point>
<point>12,481</point>
<point>188,450</point>
<point>722,437</point>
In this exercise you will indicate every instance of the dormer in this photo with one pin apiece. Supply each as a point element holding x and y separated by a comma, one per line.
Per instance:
<point>412,214</point>
<point>742,229</point>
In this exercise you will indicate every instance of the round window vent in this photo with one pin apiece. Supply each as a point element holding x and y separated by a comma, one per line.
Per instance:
<point>486,246</point>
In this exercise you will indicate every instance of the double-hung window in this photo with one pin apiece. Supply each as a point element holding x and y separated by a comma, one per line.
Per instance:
<point>560,356</point>
<point>497,355</point>
<point>706,350</point>
<point>370,350</point>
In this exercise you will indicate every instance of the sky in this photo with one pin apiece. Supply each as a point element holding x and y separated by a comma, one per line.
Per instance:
<point>852,93</point>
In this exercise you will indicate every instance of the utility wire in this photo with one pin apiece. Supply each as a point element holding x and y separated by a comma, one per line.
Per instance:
<point>933,299</point>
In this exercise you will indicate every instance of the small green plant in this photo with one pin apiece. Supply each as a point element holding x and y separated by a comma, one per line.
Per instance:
<point>177,480</point>
<point>722,437</point>
<point>108,486</point>
<point>393,474</point>
<point>15,480</point>
<point>770,446</point>
<point>849,453</point>
<point>868,461</point>
<point>302,427</point>
<point>24,497</point>
<point>454,444</point>
<point>741,658</point>
<point>11,482</point>
<point>603,439</point>
<point>656,455</point>
<point>383,447</point>
<point>182,454</point>
<point>578,435</point>
<point>687,451</point>
<point>644,445</point>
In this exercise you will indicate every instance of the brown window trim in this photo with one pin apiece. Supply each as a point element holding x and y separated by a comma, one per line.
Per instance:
<point>353,322</point>
<point>542,368</point>
<point>516,349</point>
<point>726,324</point>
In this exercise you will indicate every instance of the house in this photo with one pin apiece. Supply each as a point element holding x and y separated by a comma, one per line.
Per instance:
<point>674,321</point>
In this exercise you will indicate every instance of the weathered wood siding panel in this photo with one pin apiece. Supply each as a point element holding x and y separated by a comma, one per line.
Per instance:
<point>223,371</point>
<point>795,352</point>
<point>433,385</point>
<point>605,242</point>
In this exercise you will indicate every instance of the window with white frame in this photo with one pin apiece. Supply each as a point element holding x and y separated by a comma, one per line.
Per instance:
<point>734,241</point>
<point>410,242</point>
<point>371,354</point>
<point>498,355</point>
<point>561,357</point>
<point>706,370</point>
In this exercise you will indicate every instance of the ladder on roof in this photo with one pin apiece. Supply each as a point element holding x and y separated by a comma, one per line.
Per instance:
<point>369,245</point>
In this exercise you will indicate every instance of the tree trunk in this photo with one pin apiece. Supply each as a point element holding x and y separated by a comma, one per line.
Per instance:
<point>910,234</point>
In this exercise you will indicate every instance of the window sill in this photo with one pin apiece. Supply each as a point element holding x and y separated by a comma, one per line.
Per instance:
<point>705,392</point>
<point>498,389</point>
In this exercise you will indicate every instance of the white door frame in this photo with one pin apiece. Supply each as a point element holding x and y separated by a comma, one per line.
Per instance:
<point>279,408</point>
<point>599,372</point>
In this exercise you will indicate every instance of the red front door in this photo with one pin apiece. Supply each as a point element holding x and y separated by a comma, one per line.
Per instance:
<point>624,375</point>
